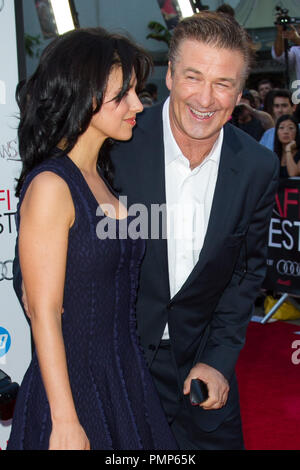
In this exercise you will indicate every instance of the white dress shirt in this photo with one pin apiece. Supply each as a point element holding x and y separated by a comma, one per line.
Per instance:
<point>189,196</point>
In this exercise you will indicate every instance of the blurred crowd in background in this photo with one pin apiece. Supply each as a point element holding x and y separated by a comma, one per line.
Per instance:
<point>271,115</point>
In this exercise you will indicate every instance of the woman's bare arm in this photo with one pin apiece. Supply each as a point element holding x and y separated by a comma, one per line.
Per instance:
<point>47,213</point>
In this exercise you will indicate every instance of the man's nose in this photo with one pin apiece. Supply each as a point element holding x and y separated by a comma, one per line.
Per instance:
<point>205,95</point>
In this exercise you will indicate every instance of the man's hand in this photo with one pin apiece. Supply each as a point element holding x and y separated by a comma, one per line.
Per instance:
<point>217,385</point>
<point>291,34</point>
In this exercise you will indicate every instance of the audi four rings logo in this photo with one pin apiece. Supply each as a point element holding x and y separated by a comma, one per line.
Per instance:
<point>289,268</point>
<point>6,273</point>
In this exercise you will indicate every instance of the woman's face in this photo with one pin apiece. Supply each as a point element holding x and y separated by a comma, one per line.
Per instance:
<point>286,132</point>
<point>117,119</point>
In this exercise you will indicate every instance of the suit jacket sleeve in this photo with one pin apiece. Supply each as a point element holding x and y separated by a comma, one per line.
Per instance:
<point>235,307</point>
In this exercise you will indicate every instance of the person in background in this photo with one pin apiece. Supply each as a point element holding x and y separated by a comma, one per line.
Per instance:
<point>145,98</point>
<point>268,101</point>
<point>257,99</point>
<point>88,385</point>
<point>249,119</point>
<point>226,9</point>
<point>281,104</point>
<point>148,95</point>
<point>297,113</point>
<point>278,54</point>
<point>152,89</point>
<point>263,87</point>
<point>287,146</point>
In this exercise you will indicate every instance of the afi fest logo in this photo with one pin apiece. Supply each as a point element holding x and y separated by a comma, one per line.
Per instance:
<point>7,218</point>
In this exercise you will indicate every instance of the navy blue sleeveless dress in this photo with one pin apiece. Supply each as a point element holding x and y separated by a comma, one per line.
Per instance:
<point>114,395</point>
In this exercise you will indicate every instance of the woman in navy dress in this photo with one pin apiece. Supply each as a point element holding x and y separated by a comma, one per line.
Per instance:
<point>88,386</point>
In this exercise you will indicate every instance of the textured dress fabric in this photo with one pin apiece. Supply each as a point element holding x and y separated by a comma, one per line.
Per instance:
<point>114,395</point>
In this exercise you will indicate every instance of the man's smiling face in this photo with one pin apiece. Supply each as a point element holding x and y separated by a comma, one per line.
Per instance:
<point>205,85</point>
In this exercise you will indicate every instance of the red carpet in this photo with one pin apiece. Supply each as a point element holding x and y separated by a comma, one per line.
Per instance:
<point>269,385</point>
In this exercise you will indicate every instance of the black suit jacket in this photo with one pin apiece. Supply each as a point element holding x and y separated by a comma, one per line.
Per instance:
<point>208,317</point>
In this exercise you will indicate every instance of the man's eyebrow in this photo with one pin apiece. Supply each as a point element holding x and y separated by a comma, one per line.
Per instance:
<point>233,81</point>
<point>221,79</point>
<point>190,69</point>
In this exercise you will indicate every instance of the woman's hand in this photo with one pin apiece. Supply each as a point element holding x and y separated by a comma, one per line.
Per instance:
<point>291,146</point>
<point>68,436</point>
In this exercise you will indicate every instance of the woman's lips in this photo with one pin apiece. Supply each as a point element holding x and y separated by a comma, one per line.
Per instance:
<point>131,121</point>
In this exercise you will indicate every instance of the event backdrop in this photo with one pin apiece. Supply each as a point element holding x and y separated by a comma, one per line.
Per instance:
<point>283,273</point>
<point>15,346</point>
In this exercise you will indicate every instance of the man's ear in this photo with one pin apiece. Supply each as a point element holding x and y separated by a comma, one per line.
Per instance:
<point>169,79</point>
<point>239,98</point>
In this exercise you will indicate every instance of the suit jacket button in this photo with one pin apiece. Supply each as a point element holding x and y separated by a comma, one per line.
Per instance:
<point>170,307</point>
<point>152,347</point>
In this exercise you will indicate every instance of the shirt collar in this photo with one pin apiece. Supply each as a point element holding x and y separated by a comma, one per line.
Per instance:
<point>172,150</point>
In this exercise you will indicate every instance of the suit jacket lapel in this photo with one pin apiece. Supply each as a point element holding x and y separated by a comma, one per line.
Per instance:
<point>155,193</point>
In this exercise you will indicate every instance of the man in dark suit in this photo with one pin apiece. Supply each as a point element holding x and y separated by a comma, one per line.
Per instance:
<point>196,296</point>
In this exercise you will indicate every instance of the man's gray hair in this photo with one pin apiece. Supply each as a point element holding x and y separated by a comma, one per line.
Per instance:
<point>215,29</point>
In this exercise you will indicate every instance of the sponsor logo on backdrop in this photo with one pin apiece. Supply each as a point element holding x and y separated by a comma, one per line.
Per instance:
<point>5,341</point>
<point>6,270</point>
<point>9,151</point>
<point>291,268</point>
<point>7,215</point>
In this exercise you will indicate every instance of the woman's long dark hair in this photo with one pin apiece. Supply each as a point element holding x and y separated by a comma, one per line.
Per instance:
<point>57,103</point>
<point>277,144</point>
